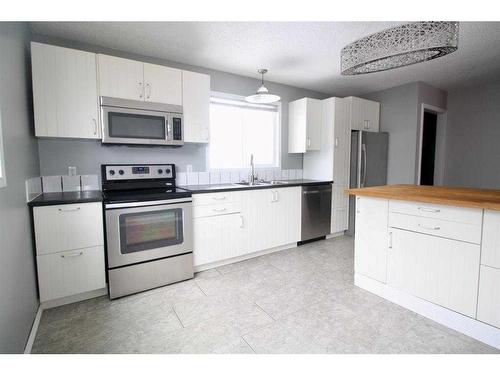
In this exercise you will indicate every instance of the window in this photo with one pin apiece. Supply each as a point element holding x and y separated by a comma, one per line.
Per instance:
<point>3,180</point>
<point>239,129</point>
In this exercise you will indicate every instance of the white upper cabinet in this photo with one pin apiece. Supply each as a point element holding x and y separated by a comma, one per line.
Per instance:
<point>64,92</point>
<point>162,84</point>
<point>121,78</point>
<point>196,106</point>
<point>304,125</point>
<point>365,114</point>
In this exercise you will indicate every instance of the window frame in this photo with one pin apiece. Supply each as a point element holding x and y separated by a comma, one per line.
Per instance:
<point>3,172</point>
<point>224,95</point>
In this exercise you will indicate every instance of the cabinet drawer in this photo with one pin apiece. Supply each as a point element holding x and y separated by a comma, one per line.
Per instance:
<point>437,211</point>
<point>488,307</point>
<point>66,227</point>
<point>215,198</point>
<point>70,272</point>
<point>216,209</point>
<point>441,228</point>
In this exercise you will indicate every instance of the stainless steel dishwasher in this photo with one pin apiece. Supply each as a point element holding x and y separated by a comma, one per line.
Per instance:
<point>316,211</point>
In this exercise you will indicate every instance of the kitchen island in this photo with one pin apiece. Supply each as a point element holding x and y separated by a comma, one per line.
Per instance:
<point>433,250</point>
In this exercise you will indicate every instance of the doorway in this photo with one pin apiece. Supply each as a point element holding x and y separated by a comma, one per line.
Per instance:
<point>428,157</point>
<point>431,147</point>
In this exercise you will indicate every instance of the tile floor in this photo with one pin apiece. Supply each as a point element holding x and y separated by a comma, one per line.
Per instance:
<point>300,300</point>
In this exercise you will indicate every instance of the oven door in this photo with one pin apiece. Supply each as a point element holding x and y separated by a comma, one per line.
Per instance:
<point>134,126</point>
<point>141,234</point>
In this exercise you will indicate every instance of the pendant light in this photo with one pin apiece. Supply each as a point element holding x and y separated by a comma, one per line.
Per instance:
<point>262,96</point>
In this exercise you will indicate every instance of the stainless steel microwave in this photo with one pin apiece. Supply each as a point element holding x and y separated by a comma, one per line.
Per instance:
<point>135,122</point>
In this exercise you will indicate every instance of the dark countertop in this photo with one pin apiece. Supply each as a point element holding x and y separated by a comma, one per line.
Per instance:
<point>66,197</point>
<point>198,189</point>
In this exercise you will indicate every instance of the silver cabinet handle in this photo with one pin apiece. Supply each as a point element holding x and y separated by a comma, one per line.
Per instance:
<point>367,124</point>
<point>428,228</point>
<point>219,198</point>
<point>141,90</point>
<point>95,126</point>
<point>363,154</point>
<point>69,209</point>
<point>277,196</point>
<point>219,209</point>
<point>242,221</point>
<point>390,240</point>
<point>357,205</point>
<point>71,255</point>
<point>336,143</point>
<point>308,142</point>
<point>424,209</point>
<point>148,90</point>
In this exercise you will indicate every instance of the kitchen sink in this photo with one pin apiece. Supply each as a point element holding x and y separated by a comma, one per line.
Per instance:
<point>261,183</point>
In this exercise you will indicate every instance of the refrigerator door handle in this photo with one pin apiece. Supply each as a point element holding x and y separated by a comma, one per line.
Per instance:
<point>363,156</point>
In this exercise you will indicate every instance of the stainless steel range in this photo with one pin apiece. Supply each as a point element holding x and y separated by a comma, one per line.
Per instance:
<point>148,227</point>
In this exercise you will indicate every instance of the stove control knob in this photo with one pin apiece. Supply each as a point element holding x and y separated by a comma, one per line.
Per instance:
<point>160,171</point>
<point>121,172</point>
<point>167,171</point>
<point>112,172</point>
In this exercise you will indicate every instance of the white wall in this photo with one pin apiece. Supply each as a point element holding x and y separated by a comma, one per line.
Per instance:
<point>18,293</point>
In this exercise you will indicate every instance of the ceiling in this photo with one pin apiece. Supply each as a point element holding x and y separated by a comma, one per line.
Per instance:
<point>302,54</point>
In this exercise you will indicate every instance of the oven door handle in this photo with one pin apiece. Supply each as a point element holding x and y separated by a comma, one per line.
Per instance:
<point>147,203</point>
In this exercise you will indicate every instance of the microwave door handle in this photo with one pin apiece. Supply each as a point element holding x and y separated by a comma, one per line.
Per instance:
<point>168,128</point>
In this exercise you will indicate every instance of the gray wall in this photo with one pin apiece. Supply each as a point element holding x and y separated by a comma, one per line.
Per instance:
<point>18,295</point>
<point>57,155</point>
<point>473,137</point>
<point>400,111</point>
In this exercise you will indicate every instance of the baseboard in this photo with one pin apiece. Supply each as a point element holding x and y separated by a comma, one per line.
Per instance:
<point>33,331</point>
<point>468,326</point>
<point>75,298</point>
<point>204,267</point>
<point>334,235</point>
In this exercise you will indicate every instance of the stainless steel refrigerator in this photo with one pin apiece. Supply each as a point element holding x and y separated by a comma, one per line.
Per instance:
<point>368,165</point>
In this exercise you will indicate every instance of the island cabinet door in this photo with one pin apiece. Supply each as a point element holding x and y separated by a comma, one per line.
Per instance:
<point>436,269</point>
<point>371,240</point>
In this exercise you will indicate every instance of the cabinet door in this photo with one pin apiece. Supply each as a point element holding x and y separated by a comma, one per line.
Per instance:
<point>313,124</point>
<point>436,269</point>
<point>257,209</point>
<point>67,227</point>
<point>370,245</point>
<point>162,84</point>
<point>196,102</point>
<point>488,307</point>
<point>64,92</point>
<point>70,272</point>
<point>286,219</point>
<point>490,250</point>
<point>121,78</point>
<point>218,237</point>
<point>371,114</point>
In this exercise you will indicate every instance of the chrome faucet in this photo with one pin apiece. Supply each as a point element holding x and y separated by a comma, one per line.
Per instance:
<point>253,177</point>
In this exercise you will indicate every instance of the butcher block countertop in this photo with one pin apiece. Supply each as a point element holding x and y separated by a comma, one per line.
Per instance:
<point>452,196</point>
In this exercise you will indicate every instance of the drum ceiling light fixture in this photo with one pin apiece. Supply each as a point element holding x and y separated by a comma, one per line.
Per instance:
<point>399,46</point>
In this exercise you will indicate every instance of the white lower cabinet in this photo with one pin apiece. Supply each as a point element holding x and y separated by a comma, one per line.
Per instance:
<point>439,270</point>
<point>370,246</point>
<point>265,218</point>
<point>488,306</point>
<point>70,249</point>
<point>70,272</point>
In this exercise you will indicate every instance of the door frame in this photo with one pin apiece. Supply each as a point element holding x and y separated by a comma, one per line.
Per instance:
<point>441,119</point>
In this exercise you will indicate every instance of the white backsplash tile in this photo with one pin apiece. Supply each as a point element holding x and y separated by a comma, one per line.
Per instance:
<point>33,188</point>
<point>291,174</point>
<point>192,178</point>
<point>225,177</point>
<point>284,174</point>
<point>269,175</point>
<point>89,182</point>
<point>235,176</point>
<point>203,178</point>
<point>51,184</point>
<point>181,178</point>
<point>277,174</point>
<point>298,174</point>
<point>71,183</point>
<point>214,178</point>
